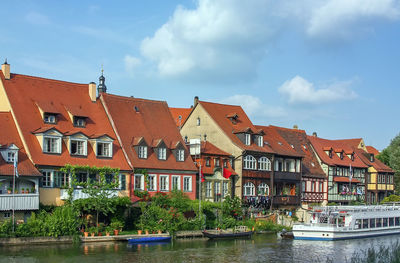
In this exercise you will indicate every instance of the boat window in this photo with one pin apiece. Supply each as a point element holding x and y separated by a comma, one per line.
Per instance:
<point>379,222</point>
<point>372,223</point>
<point>391,221</point>
<point>358,223</point>
<point>397,221</point>
<point>385,222</point>
<point>365,223</point>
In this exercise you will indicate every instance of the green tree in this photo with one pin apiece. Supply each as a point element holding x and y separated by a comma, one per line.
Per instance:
<point>391,157</point>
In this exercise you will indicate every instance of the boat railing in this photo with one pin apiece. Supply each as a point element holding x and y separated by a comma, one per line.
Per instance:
<point>356,208</point>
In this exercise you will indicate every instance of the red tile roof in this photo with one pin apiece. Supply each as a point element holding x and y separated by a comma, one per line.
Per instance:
<point>345,179</point>
<point>139,119</point>
<point>9,135</point>
<point>27,93</point>
<point>372,149</point>
<point>320,144</point>
<point>221,114</point>
<point>276,144</point>
<point>298,138</point>
<point>377,164</point>
<point>210,149</point>
<point>180,112</point>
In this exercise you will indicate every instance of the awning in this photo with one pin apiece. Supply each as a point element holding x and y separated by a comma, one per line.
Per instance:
<point>344,179</point>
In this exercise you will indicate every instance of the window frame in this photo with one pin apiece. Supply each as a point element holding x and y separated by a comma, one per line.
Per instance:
<point>76,121</point>
<point>260,140</point>
<point>141,182</point>
<point>249,189</point>
<point>162,153</point>
<point>264,164</point>
<point>247,138</point>
<point>178,178</point>
<point>142,152</point>
<point>46,144</point>
<point>84,146</point>
<point>47,116</point>
<point>152,182</point>
<point>265,187</point>
<point>180,155</point>
<point>187,186</point>
<point>164,179</point>
<point>208,189</point>
<point>249,162</point>
<point>49,182</point>
<point>110,149</point>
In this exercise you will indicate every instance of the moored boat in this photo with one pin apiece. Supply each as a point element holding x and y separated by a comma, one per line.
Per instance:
<point>349,222</point>
<point>149,239</point>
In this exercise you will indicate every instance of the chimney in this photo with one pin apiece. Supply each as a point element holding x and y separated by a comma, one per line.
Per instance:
<point>92,91</point>
<point>196,100</point>
<point>314,134</point>
<point>6,70</point>
<point>295,127</point>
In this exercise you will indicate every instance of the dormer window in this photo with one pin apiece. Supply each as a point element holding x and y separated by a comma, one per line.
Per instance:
<point>341,155</point>
<point>79,121</point>
<point>49,118</point>
<point>247,139</point>
<point>51,144</point>
<point>78,147</point>
<point>104,149</point>
<point>372,157</point>
<point>180,155</point>
<point>260,141</point>
<point>162,153</point>
<point>142,152</point>
<point>330,153</point>
<point>10,157</point>
<point>352,157</point>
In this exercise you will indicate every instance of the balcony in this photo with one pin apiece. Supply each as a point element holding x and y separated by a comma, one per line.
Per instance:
<point>79,194</point>
<point>312,197</point>
<point>286,176</point>
<point>286,200</point>
<point>19,202</point>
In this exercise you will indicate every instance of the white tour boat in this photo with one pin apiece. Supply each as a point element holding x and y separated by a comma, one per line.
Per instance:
<point>347,222</point>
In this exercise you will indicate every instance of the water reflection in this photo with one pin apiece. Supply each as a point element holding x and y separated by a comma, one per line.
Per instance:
<point>261,248</point>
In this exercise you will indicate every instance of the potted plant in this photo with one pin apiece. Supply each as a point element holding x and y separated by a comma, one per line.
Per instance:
<point>117,225</point>
<point>22,190</point>
<point>9,190</point>
<point>139,232</point>
<point>109,230</point>
<point>100,229</point>
<point>92,230</point>
<point>33,190</point>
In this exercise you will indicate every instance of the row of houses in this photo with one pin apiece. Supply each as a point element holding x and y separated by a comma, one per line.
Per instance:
<point>208,151</point>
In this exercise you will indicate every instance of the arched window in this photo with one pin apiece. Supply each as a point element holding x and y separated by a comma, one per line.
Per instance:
<point>249,162</point>
<point>264,164</point>
<point>248,189</point>
<point>263,189</point>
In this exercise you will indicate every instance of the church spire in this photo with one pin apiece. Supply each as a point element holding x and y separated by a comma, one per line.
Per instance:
<point>102,86</point>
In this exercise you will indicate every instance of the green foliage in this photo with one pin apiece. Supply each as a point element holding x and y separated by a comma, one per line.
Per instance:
<point>390,199</point>
<point>391,157</point>
<point>6,229</point>
<point>232,206</point>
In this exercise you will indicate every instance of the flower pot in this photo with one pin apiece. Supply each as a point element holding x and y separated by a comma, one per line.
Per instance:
<point>116,232</point>
<point>139,232</point>
<point>9,192</point>
<point>99,234</point>
<point>92,234</point>
<point>85,234</point>
<point>107,234</point>
<point>159,232</point>
<point>147,232</point>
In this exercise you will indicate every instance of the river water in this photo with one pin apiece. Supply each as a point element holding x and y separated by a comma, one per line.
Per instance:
<point>261,248</point>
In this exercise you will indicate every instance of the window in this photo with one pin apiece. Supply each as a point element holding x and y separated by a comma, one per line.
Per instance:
<point>83,177</point>
<point>187,183</point>
<point>104,149</point>
<point>249,162</point>
<point>217,164</point>
<point>198,121</point>
<point>248,189</point>
<point>278,165</point>
<point>52,145</point>
<point>78,147</point>
<point>139,182</point>
<point>7,215</point>
<point>143,152</point>
<point>79,121</point>
<point>46,179</point>
<point>303,186</point>
<point>313,187</point>
<point>208,162</point>
<point>371,157</point>
<point>208,189</point>
<point>217,188</point>
<point>260,141</point>
<point>49,118</point>
<point>263,189</point>
<point>10,156</point>
<point>264,164</point>
<point>225,189</point>
<point>225,163</point>
<point>321,185</point>
<point>61,179</point>
<point>122,182</point>
<point>176,182</point>
<point>152,182</point>
<point>247,139</point>
<point>180,155</point>
<point>290,165</point>
<point>164,184</point>
<point>162,153</point>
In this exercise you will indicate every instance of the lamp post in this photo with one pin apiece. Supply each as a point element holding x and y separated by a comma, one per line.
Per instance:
<point>14,150</point>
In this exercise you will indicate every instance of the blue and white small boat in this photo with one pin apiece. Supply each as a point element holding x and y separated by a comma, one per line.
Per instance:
<point>349,222</point>
<point>149,239</point>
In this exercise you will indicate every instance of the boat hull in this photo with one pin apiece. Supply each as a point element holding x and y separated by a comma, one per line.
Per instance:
<point>304,233</point>
<point>148,240</point>
<point>227,235</point>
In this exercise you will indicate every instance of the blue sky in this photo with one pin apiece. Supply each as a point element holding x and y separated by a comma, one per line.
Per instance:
<point>328,66</point>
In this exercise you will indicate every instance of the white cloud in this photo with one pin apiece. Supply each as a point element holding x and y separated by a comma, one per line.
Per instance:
<point>254,107</point>
<point>300,91</point>
<point>346,18</point>
<point>36,18</point>
<point>131,63</point>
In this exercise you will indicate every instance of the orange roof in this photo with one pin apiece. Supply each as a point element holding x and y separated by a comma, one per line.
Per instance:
<point>377,164</point>
<point>373,150</point>
<point>139,119</point>
<point>180,115</point>
<point>209,148</point>
<point>222,113</point>
<point>276,144</point>
<point>298,138</point>
<point>26,94</point>
<point>9,135</point>
<point>320,144</point>
<point>345,179</point>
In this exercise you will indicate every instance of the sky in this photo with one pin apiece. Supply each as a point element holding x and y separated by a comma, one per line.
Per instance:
<point>328,66</point>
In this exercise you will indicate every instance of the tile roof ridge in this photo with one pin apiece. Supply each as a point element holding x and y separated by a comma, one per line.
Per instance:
<point>221,104</point>
<point>290,129</point>
<point>48,79</point>
<point>132,98</point>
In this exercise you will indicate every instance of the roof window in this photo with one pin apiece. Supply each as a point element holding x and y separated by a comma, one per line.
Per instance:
<point>49,118</point>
